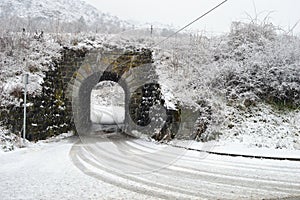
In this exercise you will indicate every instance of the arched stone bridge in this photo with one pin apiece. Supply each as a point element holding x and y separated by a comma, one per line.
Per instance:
<point>133,70</point>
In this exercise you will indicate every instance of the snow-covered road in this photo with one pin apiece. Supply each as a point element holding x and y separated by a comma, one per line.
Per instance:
<point>123,168</point>
<point>46,172</point>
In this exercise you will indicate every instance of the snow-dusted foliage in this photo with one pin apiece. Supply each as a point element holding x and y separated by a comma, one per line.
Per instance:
<point>24,52</point>
<point>8,141</point>
<point>262,65</point>
<point>251,61</point>
<point>108,93</point>
<point>252,65</point>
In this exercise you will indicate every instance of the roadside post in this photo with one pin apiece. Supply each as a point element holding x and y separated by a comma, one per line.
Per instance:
<point>25,81</point>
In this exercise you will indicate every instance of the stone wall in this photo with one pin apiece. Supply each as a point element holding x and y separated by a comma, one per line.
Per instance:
<point>50,112</point>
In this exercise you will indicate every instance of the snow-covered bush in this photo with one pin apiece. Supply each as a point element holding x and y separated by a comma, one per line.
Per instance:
<point>260,65</point>
<point>8,141</point>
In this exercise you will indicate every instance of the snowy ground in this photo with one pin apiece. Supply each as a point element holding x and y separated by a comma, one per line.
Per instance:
<point>262,127</point>
<point>232,148</point>
<point>107,115</point>
<point>119,168</point>
<point>46,172</point>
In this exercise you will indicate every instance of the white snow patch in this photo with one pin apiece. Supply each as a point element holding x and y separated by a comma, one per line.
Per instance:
<point>261,126</point>
<point>107,114</point>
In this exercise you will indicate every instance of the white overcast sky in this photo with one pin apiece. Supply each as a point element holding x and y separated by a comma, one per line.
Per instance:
<point>285,13</point>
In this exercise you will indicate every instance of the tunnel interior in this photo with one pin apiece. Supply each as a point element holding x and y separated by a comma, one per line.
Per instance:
<point>107,103</point>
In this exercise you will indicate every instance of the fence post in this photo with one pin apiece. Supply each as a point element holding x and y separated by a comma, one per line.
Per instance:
<point>25,81</point>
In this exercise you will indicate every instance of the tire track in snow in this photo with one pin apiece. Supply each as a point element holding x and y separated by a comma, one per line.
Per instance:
<point>189,177</point>
<point>245,177</point>
<point>95,170</point>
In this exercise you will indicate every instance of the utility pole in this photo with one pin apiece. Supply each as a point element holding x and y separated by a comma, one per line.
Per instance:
<point>25,81</point>
<point>151,30</point>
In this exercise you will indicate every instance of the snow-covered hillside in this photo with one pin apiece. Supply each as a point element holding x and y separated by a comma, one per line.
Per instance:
<point>57,14</point>
<point>245,84</point>
<point>64,10</point>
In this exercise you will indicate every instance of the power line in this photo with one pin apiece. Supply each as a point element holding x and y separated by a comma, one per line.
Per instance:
<point>191,23</point>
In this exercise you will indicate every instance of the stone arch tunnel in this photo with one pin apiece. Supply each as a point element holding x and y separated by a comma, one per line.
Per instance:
<point>145,112</point>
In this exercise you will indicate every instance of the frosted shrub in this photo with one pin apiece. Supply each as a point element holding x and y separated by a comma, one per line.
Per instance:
<point>264,65</point>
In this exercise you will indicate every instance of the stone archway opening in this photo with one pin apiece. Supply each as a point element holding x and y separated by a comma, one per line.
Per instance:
<point>141,112</point>
<point>107,106</point>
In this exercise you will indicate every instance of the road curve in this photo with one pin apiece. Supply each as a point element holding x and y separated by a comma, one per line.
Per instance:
<point>167,172</point>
